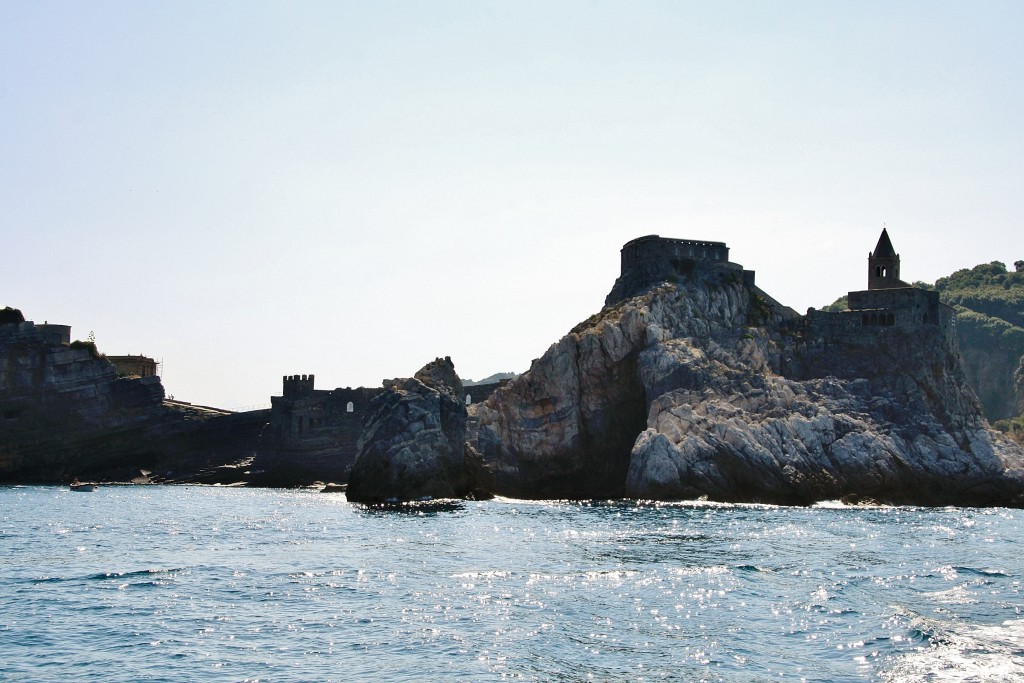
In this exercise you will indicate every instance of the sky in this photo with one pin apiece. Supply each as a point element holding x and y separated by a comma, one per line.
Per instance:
<point>246,190</point>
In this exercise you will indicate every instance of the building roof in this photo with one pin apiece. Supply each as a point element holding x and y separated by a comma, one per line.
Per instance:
<point>884,247</point>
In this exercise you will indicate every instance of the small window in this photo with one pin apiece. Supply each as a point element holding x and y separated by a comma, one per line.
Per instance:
<point>469,399</point>
<point>350,407</point>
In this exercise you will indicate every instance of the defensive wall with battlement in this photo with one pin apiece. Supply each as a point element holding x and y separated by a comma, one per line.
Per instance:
<point>319,429</point>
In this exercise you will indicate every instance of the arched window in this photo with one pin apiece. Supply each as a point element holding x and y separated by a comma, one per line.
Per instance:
<point>350,407</point>
<point>874,319</point>
<point>469,399</point>
<point>880,271</point>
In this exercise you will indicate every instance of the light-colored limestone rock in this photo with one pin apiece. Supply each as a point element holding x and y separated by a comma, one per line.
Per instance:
<point>671,395</point>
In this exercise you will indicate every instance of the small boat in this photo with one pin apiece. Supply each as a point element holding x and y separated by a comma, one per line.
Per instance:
<point>79,486</point>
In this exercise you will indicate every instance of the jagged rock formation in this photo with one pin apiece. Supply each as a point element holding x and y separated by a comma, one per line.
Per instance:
<point>413,444</point>
<point>314,434</point>
<point>674,394</point>
<point>64,412</point>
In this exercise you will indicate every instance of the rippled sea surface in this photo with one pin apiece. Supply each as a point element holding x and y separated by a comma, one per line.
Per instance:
<point>222,584</point>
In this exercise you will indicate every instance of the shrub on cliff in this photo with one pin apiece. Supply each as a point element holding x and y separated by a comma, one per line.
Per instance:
<point>1013,428</point>
<point>89,346</point>
<point>10,315</point>
<point>840,304</point>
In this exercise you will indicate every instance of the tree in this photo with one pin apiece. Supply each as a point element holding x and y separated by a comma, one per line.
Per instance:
<point>10,315</point>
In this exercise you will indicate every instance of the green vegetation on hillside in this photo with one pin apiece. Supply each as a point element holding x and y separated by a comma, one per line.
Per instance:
<point>988,289</point>
<point>987,332</point>
<point>840,304</point>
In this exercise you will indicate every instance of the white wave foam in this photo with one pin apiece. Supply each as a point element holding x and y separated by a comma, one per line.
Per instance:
<point>959,653</point>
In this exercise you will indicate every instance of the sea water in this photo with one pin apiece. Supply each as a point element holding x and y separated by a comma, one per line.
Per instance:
<point>151,583</point>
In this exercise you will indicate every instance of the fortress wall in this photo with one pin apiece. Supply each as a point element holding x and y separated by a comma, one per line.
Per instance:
<point>872,312</point>
<point>320,430</point>
<point>481,392</point>
<point>827,323</point>
<point>913,306</point>
<point>889,298</point>
<point>655,248</point>
<point>652,259</point>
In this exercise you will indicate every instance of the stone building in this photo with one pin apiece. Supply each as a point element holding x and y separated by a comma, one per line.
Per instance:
<point>316,431</point>
<point>134,366</point>
<point>55,335</point>
<point>884,265</point>
<point>651,260</point>
<point>887,303</point>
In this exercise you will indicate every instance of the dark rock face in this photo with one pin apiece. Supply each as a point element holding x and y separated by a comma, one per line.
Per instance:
<point>62,407</point>
<point>993,373</point>
<point>705,404</point>
<point>413,443</point>
<point>65,413</point>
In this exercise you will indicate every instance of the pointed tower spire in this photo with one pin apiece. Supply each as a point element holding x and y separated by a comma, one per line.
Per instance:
<point>884,265</point>
<point>884,247</point>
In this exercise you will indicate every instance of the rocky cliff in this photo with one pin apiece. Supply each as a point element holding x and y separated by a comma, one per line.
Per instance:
<point>64,412</point>
<point>413,443</point>
<point>675,394</point>
<point>990,310</point>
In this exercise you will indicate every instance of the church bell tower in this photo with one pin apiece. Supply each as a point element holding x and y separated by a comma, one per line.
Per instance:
<point>884,265</point>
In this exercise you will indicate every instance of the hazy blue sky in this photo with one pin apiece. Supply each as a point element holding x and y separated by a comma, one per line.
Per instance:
<point>250,189</point>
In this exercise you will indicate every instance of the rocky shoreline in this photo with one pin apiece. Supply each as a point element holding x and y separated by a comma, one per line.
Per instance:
<point>740,413</point>
<point>690,383</point>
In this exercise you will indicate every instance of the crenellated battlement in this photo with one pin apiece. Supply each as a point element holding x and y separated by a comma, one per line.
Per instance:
<point>296,386</point>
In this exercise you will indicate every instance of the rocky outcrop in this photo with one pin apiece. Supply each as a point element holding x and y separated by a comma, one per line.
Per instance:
<point>413,444</point>
<point>64,412</point>
<point>739,432</point>
<point>674,394</point>
<point>567,426</point>
<point>65,407</point>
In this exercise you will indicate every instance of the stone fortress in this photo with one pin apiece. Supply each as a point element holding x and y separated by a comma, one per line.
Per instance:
<point>317,431</point>
<point>887,302</point>
<point>651,260</point>
<point>311,434</point>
